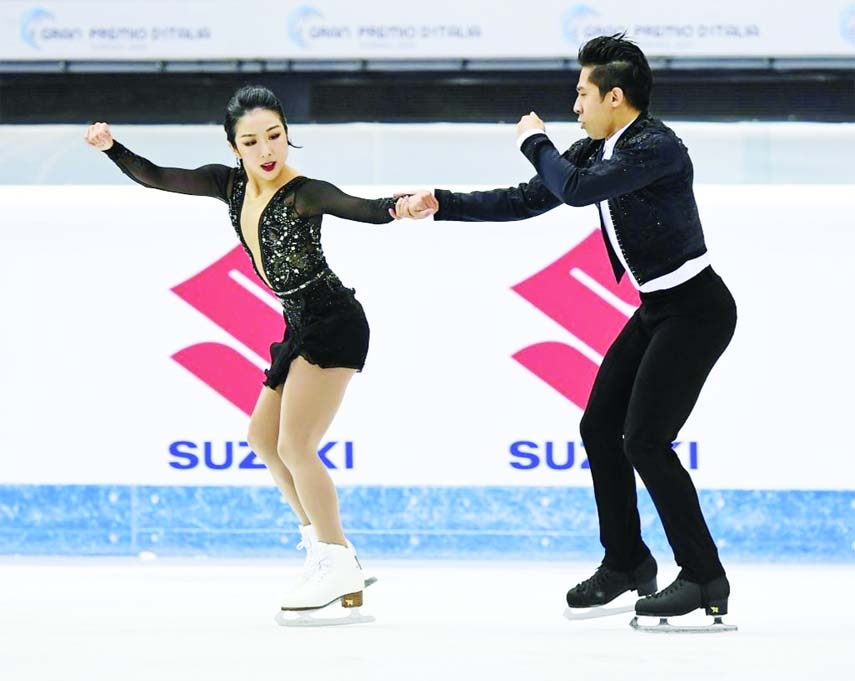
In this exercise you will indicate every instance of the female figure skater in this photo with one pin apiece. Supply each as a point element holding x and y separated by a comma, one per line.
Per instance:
<point>277,214</point>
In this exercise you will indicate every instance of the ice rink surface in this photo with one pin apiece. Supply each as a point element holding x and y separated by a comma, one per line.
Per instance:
<point>164,619</point>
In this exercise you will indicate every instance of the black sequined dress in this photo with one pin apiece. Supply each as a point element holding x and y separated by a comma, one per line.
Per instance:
<point>325,323</point>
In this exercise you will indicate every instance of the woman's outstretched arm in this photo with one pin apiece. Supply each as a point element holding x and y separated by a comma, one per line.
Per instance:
<point>209,180</point>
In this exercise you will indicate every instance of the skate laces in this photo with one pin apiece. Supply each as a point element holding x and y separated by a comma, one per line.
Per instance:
<point>599,578</point>
<point>308,563</point>
<point>320,570</point>
<point>307,538</point>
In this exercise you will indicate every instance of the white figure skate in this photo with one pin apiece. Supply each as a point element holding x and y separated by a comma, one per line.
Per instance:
<point>335,578</point>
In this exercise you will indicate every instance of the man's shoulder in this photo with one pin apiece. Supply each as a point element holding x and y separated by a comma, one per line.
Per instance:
<point>650,131</point>
<point>648,127</point>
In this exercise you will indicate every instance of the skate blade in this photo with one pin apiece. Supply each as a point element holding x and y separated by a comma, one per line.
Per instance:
<point>665,627</point>
<point>306,618</point>
<point>623,603</point>
<point>596,612</point>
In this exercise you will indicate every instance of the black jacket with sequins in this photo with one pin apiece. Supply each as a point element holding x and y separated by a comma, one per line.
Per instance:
<point>647,184</point>
<point>289,227</point>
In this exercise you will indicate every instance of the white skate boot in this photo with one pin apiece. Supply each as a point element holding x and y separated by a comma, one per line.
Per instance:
<point>336,578</point>
<point>368,580</point>
<point>308,541</point>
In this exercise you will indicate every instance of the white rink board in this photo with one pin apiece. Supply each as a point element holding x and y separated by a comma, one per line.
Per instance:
<point>90,392</point>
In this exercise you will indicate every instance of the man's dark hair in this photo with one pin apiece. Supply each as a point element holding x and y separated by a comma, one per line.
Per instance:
<point>618,62</point>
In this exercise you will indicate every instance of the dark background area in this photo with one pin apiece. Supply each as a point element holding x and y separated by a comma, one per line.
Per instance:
<point>499,95</point>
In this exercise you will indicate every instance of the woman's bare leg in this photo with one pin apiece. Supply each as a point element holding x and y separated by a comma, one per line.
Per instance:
<point>263,438</point>
<point>310,400</point>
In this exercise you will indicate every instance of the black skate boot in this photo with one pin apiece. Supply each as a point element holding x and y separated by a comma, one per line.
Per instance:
<point>606,584</point>
<point>682,597</point>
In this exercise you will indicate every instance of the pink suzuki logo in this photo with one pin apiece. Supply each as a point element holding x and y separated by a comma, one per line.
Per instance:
<point>579,292</point>
<point>230,294</point>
